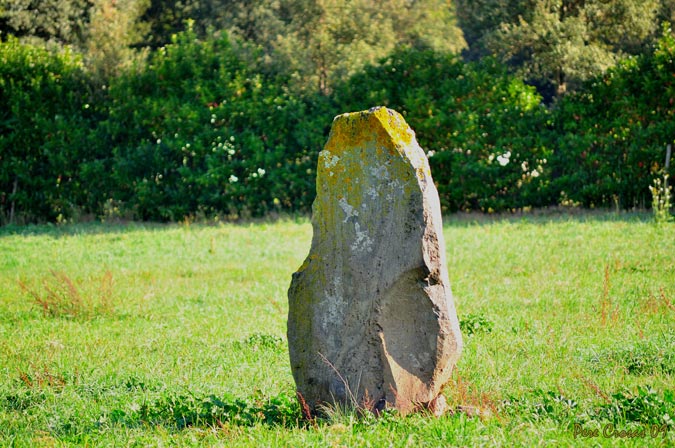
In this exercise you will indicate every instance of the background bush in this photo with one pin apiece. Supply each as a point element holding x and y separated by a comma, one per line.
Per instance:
<point>202,130</point>
<point>198,132</point>
<point>45,123</point>
<point>482,127</point>
<point>612,135</point>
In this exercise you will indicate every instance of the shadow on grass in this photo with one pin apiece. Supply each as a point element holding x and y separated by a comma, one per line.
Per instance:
<point>546,216</point>
<point>124,226</point>
<point>84,228</point>
<point>459,219</point>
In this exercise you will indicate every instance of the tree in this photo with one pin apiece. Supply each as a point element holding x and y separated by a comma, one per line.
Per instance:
<point>105,31</point>
<point>478,19</point>
<point>315,42</point>
<point>59,21</point>
<point>563,42</point>
<point>329,40</point>
<point>168,17</point>
<point>114,30</point>
<point>667,12</point>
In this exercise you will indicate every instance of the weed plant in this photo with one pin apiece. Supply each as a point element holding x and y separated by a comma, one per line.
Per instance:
<point>661,196</point>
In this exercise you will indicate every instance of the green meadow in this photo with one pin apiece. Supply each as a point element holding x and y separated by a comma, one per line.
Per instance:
<point>174,335</point>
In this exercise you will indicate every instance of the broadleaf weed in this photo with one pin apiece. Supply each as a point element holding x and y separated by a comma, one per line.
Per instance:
<point>181,411</point>
<point>645,357</point>
<point>475,323</point>
<point>646,406</point>
<point>262,341</point>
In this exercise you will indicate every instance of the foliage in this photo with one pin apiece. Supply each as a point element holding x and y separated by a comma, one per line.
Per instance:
<point>474,120</point>
<point>475,323</point>
<point>56,21</point>
<point>207,126</point>
<point>541,405</point>
<point>45,120</point>
<point>168,17</point>
<point>197,132</point>
<point>315,42</point>
<point>646,405</point>
<point>114,31</point>
<point>186,410</point>
<point>262,341</point>
<point>612,135</point>
<point>328,41</point>
<point>561,43</point>
<point>479,18</point>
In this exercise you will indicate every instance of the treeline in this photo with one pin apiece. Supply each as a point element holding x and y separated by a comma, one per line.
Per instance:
<point>210,107</point>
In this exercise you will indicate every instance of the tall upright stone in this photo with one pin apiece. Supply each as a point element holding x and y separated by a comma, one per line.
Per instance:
<point>371,319</point>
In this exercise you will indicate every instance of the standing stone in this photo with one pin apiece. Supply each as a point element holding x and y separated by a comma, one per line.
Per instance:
<point>371,320</point>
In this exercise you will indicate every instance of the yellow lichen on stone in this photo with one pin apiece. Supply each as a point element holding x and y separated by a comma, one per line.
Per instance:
<point>378,133</point>
<point>358,128</point>
<point>370,158</point>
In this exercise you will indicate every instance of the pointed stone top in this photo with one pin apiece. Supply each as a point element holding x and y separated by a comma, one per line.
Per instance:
<point>383,125</point>
<point>377,132</point>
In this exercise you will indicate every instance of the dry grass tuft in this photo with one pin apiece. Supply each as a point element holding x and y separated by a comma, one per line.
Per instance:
<point>609,312</point>
<point>41,377</point>
<point>463,396</point>
<point>60,296</point>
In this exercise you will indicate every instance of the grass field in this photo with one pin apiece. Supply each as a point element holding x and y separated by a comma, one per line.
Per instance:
<point>152,335</point>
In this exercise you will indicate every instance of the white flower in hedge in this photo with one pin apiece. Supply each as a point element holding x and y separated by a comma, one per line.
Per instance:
<point>233,179</point>
<point>261,172</point>
<point>503,159</point>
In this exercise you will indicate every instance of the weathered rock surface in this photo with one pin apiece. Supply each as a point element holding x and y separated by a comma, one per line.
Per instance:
<point>371,318</point>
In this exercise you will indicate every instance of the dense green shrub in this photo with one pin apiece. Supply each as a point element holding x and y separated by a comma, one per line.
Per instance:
<point>198,132</point>
<point>45,122</point>
<point>482,127</point>
<point>612,135</point>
